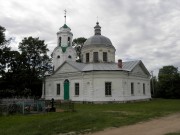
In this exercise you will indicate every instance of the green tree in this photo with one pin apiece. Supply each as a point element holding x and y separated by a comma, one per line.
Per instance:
<point>169,81</point>
<point>15,80</point>
<point>5,59</point>
<point>78,44</point>
<point>35,52</point>
<point>2,35</point>
<point>36,62</point>
<point>21,72</point>
<point>4,50</point>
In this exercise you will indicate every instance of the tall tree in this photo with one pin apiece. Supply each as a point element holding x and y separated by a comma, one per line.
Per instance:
<point>2,35</point>
<point>35,52</point>
<point>78,44</point>
<point>36,61</point>
<point>4,50</point>
<point>12,75</point>
<point>169,81</point>
<point>5,54</point>
<point>17,76</point>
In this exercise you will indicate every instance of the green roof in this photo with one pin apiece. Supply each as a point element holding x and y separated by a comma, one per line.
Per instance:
<point>65,26</point>
<point>64,49</point>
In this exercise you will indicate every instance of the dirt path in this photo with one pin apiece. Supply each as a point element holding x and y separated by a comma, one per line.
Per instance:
<point>158,126</point>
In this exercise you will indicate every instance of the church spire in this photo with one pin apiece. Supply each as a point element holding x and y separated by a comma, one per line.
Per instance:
<point>97,29</point>
<point>65,26</point>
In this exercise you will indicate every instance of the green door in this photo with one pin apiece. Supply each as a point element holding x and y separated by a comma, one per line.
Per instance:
<point>66,90</point>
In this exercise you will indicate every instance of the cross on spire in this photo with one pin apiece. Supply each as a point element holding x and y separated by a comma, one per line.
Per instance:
<point>97,29</point>
<point>65,15</point>
<point>97,18</point>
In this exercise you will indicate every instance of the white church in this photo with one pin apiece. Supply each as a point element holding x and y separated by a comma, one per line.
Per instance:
<point>98,78</point>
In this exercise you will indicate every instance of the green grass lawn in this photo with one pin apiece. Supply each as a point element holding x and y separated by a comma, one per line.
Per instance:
<point>86,118</point>
<point>173,134</point>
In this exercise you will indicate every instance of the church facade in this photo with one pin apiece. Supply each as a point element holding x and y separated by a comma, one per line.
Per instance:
<point>98,78</point>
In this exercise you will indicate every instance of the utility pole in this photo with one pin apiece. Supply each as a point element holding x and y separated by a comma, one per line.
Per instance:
<point>152,78</point>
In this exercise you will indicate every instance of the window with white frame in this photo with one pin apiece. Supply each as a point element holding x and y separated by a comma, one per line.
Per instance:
<point>144,88</point>
<point>87,57</point>
<point>95,56</point>
<point>58,89</point>
<point>105,56</point>
<point>76,89</point>
<point>108,88</point>
<point>132,88</point>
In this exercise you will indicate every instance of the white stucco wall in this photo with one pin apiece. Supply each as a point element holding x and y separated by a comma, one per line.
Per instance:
<point>121,87</point>
<point>110,53</point>
<point>92,85</point>
<point>59,56</point>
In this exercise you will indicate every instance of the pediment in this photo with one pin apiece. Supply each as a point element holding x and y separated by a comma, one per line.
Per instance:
<point>66,68</point>
<point>140,70</point>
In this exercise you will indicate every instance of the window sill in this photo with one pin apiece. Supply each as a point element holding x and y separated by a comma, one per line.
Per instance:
<point>76,95</point>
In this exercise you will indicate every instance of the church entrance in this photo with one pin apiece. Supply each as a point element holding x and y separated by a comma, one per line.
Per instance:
<point>66,89</point>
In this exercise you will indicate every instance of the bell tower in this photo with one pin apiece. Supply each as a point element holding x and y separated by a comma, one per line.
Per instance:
<point>63,51</point>
<point>64,35</point>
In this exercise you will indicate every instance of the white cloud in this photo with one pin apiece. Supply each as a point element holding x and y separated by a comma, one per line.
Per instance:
<point>142,29</point>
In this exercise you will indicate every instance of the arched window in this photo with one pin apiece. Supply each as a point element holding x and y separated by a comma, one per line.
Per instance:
<point>69,41</point>
<point>66,81</point>
<point>59,41</point>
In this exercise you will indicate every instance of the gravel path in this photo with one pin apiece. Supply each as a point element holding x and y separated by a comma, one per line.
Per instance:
<point>158,126</point>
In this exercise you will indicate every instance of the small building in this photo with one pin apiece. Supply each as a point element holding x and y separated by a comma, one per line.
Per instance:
<point>98,78</point>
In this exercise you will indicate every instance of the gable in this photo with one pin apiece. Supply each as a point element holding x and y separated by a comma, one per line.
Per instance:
<point>140,70</point>
<point>66,68</point>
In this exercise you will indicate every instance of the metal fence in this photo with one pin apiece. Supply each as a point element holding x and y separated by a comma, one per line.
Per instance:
<point>22,106</point>
<point>31,106</point>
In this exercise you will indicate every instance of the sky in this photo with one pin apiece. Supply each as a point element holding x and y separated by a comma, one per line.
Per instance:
<point>146,30</point>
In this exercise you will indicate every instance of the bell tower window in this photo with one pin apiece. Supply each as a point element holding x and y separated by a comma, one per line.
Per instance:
<point>59,41</point>
<point>69,41</point>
